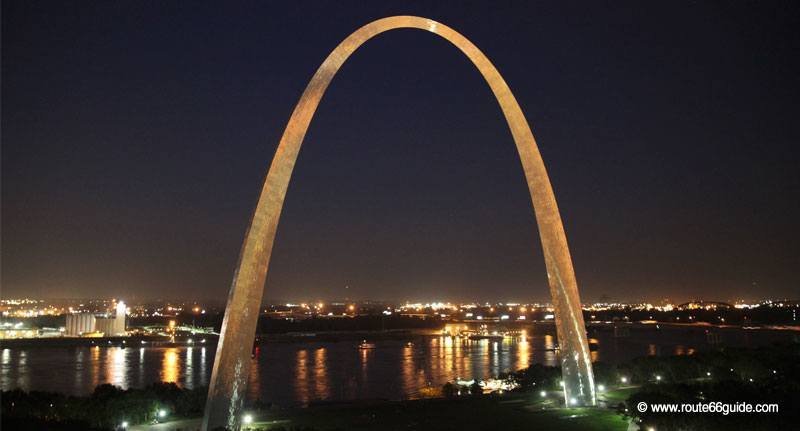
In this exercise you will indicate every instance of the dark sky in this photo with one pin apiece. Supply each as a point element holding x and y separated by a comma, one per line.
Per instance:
<point>136,135</point>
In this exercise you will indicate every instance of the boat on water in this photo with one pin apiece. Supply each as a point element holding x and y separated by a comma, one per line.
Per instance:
<point>364,345</point>
<point>483,333</point>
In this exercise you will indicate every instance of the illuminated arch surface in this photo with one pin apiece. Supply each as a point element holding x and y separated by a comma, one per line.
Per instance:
<point>232,363</point>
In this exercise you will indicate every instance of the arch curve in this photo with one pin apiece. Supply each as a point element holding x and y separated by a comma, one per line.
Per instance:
<point>231,365</point>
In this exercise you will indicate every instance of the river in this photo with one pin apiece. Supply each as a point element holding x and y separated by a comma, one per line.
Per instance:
<point>296,373</point>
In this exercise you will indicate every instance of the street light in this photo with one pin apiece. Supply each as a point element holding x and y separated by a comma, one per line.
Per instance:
<point>601,388</point>
<point>162,413</point>
<point>124,425</point>
<point>247,419</point>
<point>543,393</point>
<point>623,379</point>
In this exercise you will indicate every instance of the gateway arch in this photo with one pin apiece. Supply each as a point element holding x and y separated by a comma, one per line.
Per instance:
<point>232,362</point>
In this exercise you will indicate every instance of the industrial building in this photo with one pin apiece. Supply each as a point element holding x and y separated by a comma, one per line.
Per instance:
<point>79,324</point>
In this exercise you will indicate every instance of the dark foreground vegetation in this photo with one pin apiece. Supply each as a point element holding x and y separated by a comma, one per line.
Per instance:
<point>106,408</point>
<point>768,375</point>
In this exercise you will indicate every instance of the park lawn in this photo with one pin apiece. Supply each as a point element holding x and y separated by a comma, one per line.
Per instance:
<point>619,395</point>
<point>484,413</point>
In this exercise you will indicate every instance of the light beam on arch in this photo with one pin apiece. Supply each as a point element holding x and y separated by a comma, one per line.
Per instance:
<point>232,362</point>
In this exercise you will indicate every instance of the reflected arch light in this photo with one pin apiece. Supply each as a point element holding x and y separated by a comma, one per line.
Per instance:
<point>232,362</point>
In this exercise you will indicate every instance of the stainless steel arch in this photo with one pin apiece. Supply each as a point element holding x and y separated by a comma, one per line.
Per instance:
<point>231,366</point>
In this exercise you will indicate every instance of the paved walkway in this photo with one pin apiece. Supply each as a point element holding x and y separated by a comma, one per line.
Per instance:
<point>181,425</point>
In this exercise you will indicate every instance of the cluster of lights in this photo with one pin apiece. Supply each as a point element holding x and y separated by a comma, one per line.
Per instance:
<point>435,306</point>
<point>167,310</point>
<point>27,308</point>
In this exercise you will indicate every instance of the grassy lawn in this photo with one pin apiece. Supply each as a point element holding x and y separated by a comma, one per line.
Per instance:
<point>485,413</point>
<point>619,395</point>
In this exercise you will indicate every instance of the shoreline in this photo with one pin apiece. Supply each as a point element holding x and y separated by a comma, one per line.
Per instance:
<point>349,335</point>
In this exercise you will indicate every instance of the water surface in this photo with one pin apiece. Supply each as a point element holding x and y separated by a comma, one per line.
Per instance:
<point>290,373</point>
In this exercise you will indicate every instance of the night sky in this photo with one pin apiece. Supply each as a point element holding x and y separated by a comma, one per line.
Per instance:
<point>136,136</point>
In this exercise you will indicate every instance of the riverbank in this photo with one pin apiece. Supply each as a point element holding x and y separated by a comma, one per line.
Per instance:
<point>124,342</point>
<point>212,339</point>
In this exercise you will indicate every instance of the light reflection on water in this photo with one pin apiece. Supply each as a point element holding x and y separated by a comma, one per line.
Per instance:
<point>170,365</point>
<point>95,364</point>
<point>117,366</point>
<point>321,385</point>
<point>302,372</point>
